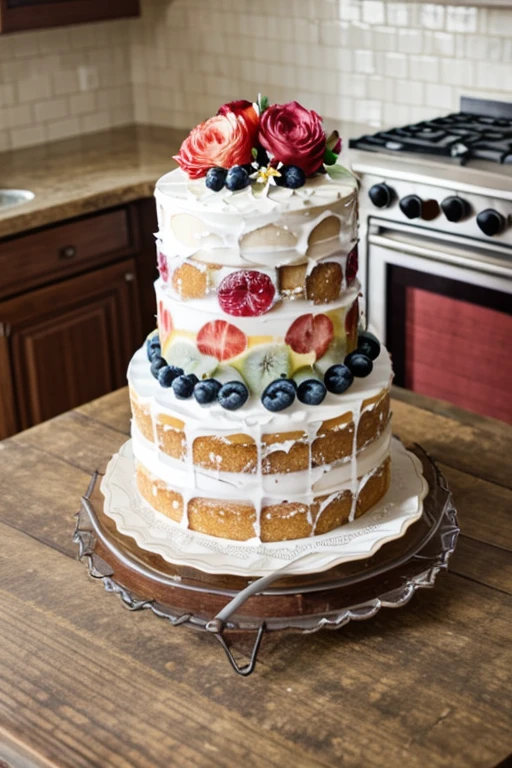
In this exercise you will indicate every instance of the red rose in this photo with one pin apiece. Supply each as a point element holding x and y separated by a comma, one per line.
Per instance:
<point>224,140</point>
<point>293,135</point>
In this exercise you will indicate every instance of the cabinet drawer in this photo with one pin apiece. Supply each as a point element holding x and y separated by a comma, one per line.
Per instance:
<point>49,254</point>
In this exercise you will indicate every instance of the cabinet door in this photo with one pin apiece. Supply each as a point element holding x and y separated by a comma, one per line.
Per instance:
<point>16,15</point>
<point>69,343</point>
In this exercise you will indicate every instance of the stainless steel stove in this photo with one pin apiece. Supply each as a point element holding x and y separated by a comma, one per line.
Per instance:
<point>436,251</point>
<point>481,131</point>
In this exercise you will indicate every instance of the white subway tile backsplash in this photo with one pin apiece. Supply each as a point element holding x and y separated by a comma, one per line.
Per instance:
<point>52,109</point>
<point>457,72</point>
<point>395,65</point>
<point>424,68</point>
<point>373,11</point>
<point>371,61</point>
<point>410,40</point>
<point>437,95</point>
<point>34,88</point>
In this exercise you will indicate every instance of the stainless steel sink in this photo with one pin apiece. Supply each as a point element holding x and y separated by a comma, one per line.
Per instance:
<point>10,197</point>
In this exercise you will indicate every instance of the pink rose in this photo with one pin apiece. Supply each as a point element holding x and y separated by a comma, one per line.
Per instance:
<point>224,140</point>
<point>293,135</point>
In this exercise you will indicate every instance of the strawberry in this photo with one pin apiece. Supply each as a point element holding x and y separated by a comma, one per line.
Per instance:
<point>310,333</point>
<point>165,324</point>
<point>352,265</point>
<point>163,267</point>
<point>221,340</point>
<point>246,293</point>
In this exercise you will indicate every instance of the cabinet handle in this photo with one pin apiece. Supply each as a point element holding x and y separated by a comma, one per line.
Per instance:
<point>67,252</point>
<point>129,277</point>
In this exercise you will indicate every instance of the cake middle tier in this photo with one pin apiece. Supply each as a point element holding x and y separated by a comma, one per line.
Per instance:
<point>200,338</point>
<point>254,440</point>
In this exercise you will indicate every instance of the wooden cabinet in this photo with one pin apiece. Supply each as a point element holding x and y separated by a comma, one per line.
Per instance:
<point>69,338</point>
<point>16,15</point>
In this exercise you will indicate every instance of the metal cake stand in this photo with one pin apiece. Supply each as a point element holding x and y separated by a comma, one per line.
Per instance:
<point>225,606</point>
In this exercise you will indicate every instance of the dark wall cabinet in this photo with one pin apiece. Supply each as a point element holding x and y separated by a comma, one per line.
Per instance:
<point>76,300</point>
<point>17,15</point>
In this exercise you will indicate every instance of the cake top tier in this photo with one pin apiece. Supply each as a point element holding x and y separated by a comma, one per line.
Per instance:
<point>261,152</point>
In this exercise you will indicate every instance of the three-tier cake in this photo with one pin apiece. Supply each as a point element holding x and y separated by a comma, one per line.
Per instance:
<point>260,408</point>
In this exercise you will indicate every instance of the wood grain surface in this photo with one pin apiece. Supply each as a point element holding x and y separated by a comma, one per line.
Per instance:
<point>85,683</point>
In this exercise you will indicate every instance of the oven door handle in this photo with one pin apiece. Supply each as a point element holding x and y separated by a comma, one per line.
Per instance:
<point>463,257</point>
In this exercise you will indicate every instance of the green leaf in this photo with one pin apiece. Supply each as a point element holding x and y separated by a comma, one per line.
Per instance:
<point>329,157</point>
<point>262,103</point>
<point>338,172</point>
<point>254,153</point>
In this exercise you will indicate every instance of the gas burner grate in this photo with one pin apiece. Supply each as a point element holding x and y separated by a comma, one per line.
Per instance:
<point>464,136</point>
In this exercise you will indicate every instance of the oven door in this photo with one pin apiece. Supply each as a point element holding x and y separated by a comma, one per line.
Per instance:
<point>443,304</point>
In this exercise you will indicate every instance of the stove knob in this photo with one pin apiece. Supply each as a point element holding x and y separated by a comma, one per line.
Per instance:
<point>411,206</point>
<point>455,208</point>
<point>381,195</point>
<point>490,222</point>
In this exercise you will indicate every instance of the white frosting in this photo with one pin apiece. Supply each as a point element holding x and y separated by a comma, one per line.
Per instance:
<point>293,486</point>
<point>226,217</point>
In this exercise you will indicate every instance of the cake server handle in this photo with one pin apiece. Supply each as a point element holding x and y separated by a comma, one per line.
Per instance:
<point>217,625</point>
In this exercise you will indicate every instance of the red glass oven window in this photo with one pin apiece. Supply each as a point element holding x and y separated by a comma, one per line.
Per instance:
<point>459,351</point>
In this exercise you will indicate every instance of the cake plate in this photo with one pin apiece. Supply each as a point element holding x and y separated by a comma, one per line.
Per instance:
<point>226,606</point>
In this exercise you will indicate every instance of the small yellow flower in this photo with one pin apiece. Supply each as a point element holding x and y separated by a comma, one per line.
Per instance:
<point>265,174</point>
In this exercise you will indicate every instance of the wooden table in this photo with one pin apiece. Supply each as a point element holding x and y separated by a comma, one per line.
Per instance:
<point>83,682</point>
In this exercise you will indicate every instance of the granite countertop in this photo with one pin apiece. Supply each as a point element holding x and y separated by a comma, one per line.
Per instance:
<point>85,174</point>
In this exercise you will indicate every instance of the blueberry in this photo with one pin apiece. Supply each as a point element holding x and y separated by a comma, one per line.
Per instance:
<point>311,392</point>
<point>237,178</point>
<point>216,178</point>
<point>183,386</point>
<point>279,395</point>
<point>206,391</point>
<point>157,363</point>
<point>292,176</point>
<point>167,374</point>
<point>153,346</point>
<point>338,378</point>
<point>368,344</point>
<point>359,364</point>
<point>233,395</point>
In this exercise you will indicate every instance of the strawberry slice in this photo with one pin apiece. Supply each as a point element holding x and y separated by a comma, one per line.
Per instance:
<point>165,323</point>
<point>352,265</point>
<point>163,267</point>
<point>220,339</point>
<point>310,333</point>
<point>246,293</point>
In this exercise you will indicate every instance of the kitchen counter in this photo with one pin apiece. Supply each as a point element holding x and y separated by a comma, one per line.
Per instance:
<point>86,683</point>
<point>85,174</point>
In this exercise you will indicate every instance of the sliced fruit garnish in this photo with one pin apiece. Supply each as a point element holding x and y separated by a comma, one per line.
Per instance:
<point>221,339</point>
<point>185,354</point>
<point>334,355</point>
<point>165,324</point>
<point>163,267</point>
<point>351,323</point>
<point>261,365</point>
<point>310,333</point>
<point>352,265</point>
<point>246,293</point>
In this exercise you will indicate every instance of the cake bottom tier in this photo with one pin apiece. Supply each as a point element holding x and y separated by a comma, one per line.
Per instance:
<point>240,521</point>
